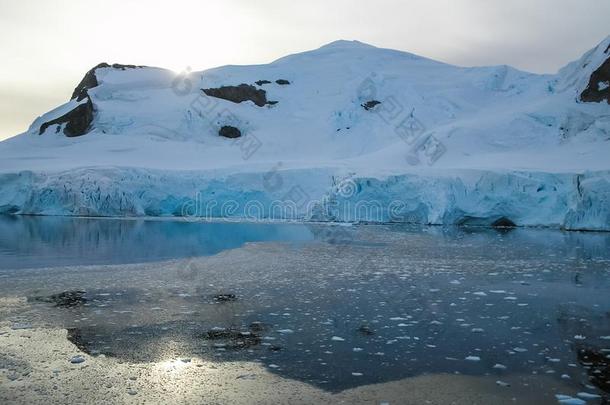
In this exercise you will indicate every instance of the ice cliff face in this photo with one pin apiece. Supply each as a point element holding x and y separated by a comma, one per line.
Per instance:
<point>347,132</point>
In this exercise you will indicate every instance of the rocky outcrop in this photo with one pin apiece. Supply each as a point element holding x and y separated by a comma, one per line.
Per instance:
<point>78,121</point>
<point>239,94</point>
<point>228,131</point>
<point>369,105</point>
<point>282,82</point>
<point>598,88</point>
<point>90,79</point>
<point>261,82</point>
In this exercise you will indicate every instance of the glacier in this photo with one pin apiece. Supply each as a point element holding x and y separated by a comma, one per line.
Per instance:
<point>345,133</point>
<point>470,197</point>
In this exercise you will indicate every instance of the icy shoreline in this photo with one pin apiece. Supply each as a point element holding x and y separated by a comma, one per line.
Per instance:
<point>570,201</point>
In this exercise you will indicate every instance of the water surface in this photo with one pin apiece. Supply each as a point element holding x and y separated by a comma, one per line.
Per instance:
<point>344,307</point>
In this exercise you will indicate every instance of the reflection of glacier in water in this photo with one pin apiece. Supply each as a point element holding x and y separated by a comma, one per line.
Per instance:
<point>379,303</point>
<point>59,241</point>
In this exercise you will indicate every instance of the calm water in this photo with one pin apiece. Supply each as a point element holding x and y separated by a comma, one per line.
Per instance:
<point>337,307</point>
<point>27,242</point>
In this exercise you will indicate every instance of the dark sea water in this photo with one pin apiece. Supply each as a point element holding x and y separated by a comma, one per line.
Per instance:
<point>337,307</point>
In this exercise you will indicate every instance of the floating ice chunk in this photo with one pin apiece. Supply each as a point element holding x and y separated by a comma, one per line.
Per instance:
<point>499,366</point>
<point>502,383</point>
<point>586,395</point>
<point>477,330</point>
<point>497,291</point>
<point>568,400</point>
<point>21,325</point>
<point>579,337</point>
<point>357,349</point>
<point>473,358</point>
<point>604,337</point>
<point>455,282</point>
<point>337,339</point>
<point>480,294</point>
<point>520,349</point>
<point>274,366</point>
<point>357,374</point>
<point>77,359</point>
<point>285,331</point>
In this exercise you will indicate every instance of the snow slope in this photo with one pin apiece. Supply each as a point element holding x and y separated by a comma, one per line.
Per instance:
<point>445,144</point>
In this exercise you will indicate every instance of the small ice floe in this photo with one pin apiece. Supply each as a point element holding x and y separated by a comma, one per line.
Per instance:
<point>285,331</point>
<point>499,366</point>
<point>477,330</point>
<point>433,290</point>
<point>357,374</point>
<point>587,396</point>
<point>604,337</point>
<point>473,358</point>
<point>565,377</point>
<point>246,377</point>
<point>480,294</point>
<point>497,291</point>
<point>553,360</point>
<point>455,282</point>
<point>398,318</point>
<point>520,349</point>
<point>502,383</point>
<point>357,349</point>
<point>337,339</point>
<point>579,337</point>
<point>568,400</point>
<point>21,326</point>
<point>510,298</point>
<point>275,366</point>
<point>77,359</point>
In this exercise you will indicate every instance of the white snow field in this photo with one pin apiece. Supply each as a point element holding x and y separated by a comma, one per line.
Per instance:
<point>443,145</point>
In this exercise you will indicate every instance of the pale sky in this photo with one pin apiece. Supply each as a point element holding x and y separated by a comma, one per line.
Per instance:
<point>46,46</point>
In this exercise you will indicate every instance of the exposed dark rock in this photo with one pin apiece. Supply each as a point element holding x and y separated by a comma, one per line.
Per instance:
<point>232,339</point>
<point>258,327</point>
<point>66,299</point>
<point>229,132</point>
<point>593,94</point>
<point>282,82</point>
<point>369,105</point>
<point>225,297</point>
<point>238,94</point>
<point>503,223</point>
<point>78,121</point>
<point>272,102</point>
<point>366,330</point>
<point>90,80</point>
<point>261,82</point>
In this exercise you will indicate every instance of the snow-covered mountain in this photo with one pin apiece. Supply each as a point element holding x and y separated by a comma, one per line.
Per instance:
<point>346,132</point>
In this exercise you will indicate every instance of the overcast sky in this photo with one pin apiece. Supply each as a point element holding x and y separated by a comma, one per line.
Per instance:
<point>46,46</point>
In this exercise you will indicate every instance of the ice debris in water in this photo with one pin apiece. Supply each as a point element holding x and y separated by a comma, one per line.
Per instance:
<point>77,359</point>
<point>473,358</point>
<point>568,400</point>
<point>586,395</point>
<point>337,339</point>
